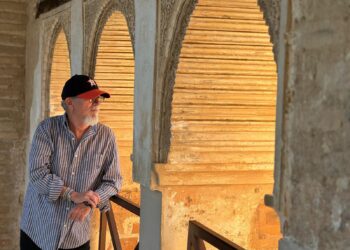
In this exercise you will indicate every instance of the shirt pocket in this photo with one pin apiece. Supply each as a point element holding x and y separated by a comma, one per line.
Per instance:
<point>91,170</point>
<point>94,163</point>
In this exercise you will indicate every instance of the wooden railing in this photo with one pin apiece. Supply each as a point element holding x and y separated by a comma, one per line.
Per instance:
<point>108,217</point>
<point>198,233</point>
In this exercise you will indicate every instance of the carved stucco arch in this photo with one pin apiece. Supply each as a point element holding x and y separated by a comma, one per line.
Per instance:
<point>51,30</point>
<point>170,55</point>
<point>97,14</point>
<point>183,15</point>
<point>271,11</point>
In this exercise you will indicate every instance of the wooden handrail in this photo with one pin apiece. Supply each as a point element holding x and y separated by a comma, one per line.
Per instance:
<point>127,204</point>
<point>109,217</point>
<point>198,232</point>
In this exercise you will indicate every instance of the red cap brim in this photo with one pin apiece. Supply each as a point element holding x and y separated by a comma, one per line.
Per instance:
<point>93,94</point>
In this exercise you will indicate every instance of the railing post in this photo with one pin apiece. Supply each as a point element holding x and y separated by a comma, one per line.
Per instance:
<point>199,244</point>
<point>113,229</point>
<point>103,228</point>
<point>109,217</point>
<point>193,242</point>
<point>189,236</point>
<point>198,233</point>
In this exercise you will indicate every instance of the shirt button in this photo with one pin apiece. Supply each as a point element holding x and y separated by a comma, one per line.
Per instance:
<point>65,225</point>
<point>73,173</point>
<point>75,156</point>
<point>67,208</point>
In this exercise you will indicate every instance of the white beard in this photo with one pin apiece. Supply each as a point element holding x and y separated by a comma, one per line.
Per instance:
<point>91,120</point>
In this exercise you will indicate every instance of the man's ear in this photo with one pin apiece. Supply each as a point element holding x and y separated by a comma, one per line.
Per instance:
<point>68,101</point>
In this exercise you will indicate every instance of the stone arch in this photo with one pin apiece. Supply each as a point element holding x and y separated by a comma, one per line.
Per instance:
<point>98,15</point>
<point>271,15</point>
<point>271,10</point>
<point>240,78</point>
<point>113,70</point>
<point>162,143</point>
<point>52,30</point>
<point>217,127</point>
<point>60,73</point>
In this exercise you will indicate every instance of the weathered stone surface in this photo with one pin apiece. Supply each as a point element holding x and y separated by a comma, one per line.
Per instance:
<point>317,126</point>
<point>235,212</point>
<point>271,9</point>
<point>12,140</point>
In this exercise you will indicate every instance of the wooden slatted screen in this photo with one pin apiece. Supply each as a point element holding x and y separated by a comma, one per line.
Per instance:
<point>114,72</point>
<point>223,110</point>
<point>60,73</point>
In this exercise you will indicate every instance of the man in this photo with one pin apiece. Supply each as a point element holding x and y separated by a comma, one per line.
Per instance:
<point>73,168</point>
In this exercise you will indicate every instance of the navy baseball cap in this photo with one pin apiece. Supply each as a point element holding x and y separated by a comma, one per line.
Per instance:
<point>82,86</point>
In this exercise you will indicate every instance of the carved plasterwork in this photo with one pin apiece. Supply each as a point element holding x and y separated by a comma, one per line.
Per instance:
<point>174,20</point>
<point>51,27</point>
<point>271,10</point>
<point>96,15</point>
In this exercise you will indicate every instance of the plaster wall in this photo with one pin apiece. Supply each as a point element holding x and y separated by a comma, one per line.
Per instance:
<point>316,139</point>
<point>233,211</point>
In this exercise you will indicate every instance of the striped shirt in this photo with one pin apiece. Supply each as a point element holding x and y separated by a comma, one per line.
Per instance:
<point>57,159</point>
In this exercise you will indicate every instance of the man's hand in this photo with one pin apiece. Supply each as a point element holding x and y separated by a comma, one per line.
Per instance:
<point>91,197</point>
<point>79,212</point>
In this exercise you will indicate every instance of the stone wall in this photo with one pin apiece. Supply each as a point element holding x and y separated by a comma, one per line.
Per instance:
<point>315,166</point>
<point>12,152</point>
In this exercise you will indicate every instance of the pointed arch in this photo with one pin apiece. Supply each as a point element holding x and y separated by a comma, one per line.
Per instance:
<point>60,72</point>
<point>217,130</point>
<point>225,88</point>
<point>54,30</point>
<point>114,71</point>
<point>96,29</point>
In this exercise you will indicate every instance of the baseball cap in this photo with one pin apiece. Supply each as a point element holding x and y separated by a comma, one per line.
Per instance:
<point>82,86</point>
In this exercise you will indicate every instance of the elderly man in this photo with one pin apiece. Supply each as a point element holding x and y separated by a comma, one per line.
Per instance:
<point>73,168</point>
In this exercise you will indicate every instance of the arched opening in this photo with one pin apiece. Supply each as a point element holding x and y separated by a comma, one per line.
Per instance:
<point>225,89</point>
<point>114,71</point>
<point>222,127</point>
<point>60,73</point>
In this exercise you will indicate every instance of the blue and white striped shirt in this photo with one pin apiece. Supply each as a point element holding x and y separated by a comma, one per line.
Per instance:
<point>57,159</point>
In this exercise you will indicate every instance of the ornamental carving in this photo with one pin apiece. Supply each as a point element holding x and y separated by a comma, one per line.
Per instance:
<point>175,17</point>
<point>96,15</point>
<point>51,28</point>
<point>271,10</point>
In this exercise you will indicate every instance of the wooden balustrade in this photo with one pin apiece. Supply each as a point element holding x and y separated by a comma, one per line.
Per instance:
<point>198,233</point>
<point>108,217</point>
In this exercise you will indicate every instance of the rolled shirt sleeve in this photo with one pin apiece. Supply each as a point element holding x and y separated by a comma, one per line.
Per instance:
<point>40,174</point>
<point>111,179</point>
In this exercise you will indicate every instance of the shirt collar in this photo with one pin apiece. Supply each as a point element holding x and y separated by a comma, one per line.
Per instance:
<point>91,131</point>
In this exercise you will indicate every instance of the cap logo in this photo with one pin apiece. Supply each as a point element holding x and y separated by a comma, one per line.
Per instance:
<point>92,83</point>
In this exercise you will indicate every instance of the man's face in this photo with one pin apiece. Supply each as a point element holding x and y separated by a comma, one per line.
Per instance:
<point>86,110</point>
